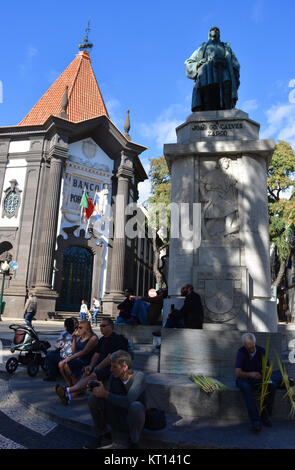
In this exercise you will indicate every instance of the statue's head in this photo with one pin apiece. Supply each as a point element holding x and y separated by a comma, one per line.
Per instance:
<point>214,33</point>
<point>223,163</point>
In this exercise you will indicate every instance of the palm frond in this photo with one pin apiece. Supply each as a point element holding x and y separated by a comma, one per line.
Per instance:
<point>289,390</point>
<point>207,384</point>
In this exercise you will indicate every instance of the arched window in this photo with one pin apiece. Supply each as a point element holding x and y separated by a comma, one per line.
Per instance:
<point>5,247</point>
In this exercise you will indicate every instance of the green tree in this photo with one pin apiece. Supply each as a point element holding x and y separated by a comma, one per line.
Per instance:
<point>281,198</point>
<point>159,211</point>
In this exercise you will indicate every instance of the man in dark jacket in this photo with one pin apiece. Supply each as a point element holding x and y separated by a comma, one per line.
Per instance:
<point>248,379</point>
<point>191,314</point>
<point>125,307</point>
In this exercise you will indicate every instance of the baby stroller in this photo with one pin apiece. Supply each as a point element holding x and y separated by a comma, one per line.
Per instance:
<point>32,350</point>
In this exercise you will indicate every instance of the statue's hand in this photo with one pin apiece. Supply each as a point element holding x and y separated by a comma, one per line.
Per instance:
<point>202,62</point>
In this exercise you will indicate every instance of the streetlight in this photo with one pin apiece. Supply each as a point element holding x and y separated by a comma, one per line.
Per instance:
<point>5,271</point>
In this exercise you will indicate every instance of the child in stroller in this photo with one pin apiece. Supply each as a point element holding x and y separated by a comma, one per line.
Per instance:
<point>32,350</point>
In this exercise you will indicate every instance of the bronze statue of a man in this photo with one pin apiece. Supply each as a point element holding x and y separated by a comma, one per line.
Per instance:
<point>216,72</point>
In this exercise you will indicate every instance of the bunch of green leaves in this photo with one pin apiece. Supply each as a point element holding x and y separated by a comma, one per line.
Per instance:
<point>289,390</point>
<point>266,377</point>
<point>207,384</point>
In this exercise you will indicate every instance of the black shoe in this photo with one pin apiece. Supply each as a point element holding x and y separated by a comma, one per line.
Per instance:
<point>107,436</point>
<point>95,444</point>
<point>132,445</point>
<point>256,427</point>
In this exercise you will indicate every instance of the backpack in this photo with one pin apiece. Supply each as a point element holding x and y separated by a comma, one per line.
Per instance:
<point>155,419</point>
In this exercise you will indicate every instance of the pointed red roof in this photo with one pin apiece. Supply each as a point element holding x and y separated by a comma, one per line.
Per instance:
<point>84,98</point>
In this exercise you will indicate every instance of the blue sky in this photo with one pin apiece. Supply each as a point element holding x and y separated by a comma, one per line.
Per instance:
<point>138,56</point>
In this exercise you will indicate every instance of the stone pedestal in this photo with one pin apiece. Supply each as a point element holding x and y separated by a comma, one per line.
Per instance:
<point>220,163</point>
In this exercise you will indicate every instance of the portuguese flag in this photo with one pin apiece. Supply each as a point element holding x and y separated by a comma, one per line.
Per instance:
<point>86,205</point>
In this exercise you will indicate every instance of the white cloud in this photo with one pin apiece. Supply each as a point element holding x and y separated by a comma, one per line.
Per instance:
<point>112,104</point>
<point>30,53</point>
<point>144,190</point>
<point>162,130</point>
<point>249,106</point>
<point>280,123</point>
<point>114,109</point>
<point>257,11</point>
<point>53,75</point>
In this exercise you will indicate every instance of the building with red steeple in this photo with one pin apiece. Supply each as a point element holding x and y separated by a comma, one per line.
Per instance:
<point>67,143</point>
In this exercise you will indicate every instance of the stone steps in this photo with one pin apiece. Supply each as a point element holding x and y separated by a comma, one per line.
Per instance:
<point>61,316</point>
<point>177,395</point>
<point>146,358</point>
<point>138,334</point>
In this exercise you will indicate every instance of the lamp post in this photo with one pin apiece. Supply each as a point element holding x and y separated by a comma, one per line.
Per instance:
<point>5,271</point>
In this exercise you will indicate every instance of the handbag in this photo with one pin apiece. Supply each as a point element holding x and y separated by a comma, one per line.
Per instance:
<point>155,419</point>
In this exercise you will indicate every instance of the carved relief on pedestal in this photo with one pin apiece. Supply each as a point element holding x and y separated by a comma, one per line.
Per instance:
<point>219,295</point>
<point>219,197</point>
<point>222,291</point>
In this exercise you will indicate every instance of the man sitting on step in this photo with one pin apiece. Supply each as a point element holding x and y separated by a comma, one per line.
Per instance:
<point>121,404</point>
<point>191,314</point>
<point>248,379</point>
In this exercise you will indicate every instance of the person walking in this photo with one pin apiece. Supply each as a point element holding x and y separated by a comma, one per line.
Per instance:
<point>30,309</point>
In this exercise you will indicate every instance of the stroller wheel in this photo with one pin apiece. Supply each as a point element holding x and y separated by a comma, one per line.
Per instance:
<point>11,365</point>
<point>33,368</point>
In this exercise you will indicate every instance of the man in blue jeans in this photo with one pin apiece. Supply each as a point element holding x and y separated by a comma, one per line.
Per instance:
<point>30,309</point>
<point>248,379</point>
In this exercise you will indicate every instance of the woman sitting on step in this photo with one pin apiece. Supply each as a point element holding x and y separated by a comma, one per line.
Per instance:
<point>83,349</point>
